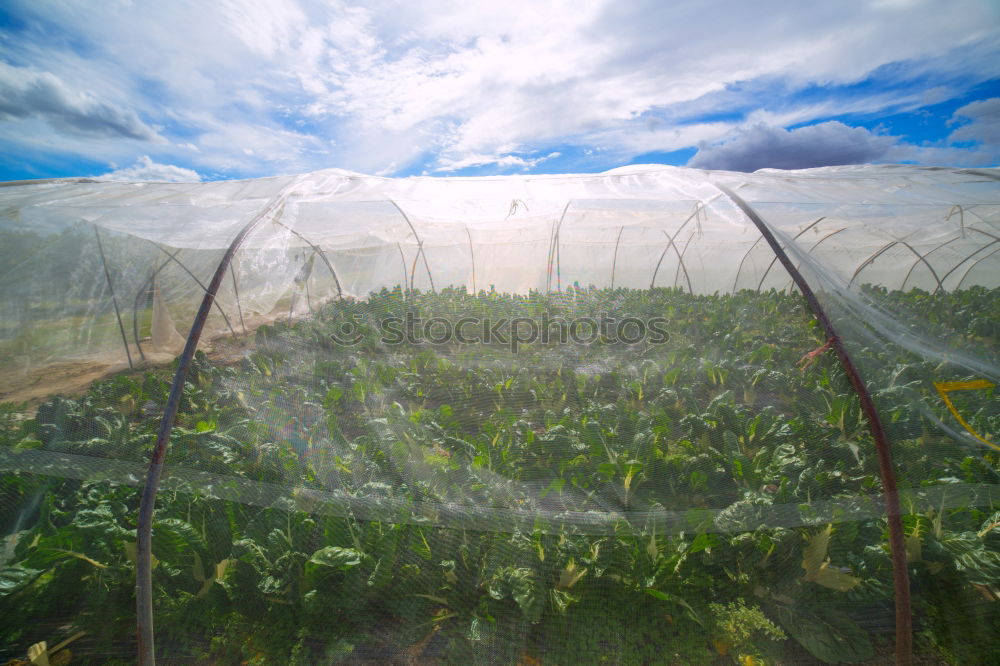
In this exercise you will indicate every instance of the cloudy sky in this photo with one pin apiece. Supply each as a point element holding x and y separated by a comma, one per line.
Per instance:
<point>146,89</point>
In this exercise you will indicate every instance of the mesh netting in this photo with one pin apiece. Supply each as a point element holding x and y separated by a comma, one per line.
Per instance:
<point>525,420</point>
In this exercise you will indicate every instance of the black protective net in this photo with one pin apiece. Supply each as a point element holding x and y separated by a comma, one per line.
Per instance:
<point>556,420</point>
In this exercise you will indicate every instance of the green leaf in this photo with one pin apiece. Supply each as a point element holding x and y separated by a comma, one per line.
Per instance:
<point>528,596</point>
<point>333,396</point>
<point>556,486</point>
<point>520,585</point>
<point>561,600</point>
<point>175,542</point>
<point>336,558</point>
<point>703,541</point>
<point>80,556</point>
<point>16,578</point>
<point>827,633</point>
<point>817,566</point>
<point>979,565</point>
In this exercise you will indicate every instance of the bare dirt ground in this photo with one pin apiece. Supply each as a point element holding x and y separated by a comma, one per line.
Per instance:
<point>30,388</point>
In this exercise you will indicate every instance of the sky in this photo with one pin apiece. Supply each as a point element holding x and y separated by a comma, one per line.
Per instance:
<point>187,91</point>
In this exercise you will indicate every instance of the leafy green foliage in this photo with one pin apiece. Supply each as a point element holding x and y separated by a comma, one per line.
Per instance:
<point>601,503</point>
<point>827,633</point>
<point>745,631</point>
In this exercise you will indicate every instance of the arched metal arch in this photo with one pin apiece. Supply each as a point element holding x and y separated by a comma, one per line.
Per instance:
<point>687,244</point>
<point>974,263</point>
<point>614,258</point>
<point>144,569</point>
<point>402,257</point>
<point>148,284</point>
<point>901,583</point>
<point>420,249</point>
<point>671,243</point>
<point>114,299</point>
<point>680,260</point>
<point>798,266</point>
<point>236,292</point>
<point>870,260</point>
<point>173,257</point>
<point>317,250</point>
<point>923,258</point>
<point>946,243</point>
<point>739,270</point>
<point>472,254</point>
<point>554,255</point>
<point>775,259</point>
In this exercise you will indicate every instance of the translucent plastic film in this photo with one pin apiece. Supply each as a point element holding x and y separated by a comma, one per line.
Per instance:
<point>526,420</point>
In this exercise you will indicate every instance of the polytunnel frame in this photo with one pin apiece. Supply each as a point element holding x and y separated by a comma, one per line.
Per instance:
<point>147,502</point>
<point>897,546</point>
<point>316,250</point>
<point>903,617</point>
<point>114,299</point>
<point>149,284</point>
<point>680,255</point>
<point>420,250</point>
<point>554,260</point>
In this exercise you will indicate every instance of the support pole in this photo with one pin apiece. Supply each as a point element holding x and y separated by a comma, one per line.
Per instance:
<point>680,262</point>
<point>900,575</point>
<point>420,249</point>
<point>236,291</point>
<point>671,244</point>
<point>402,257</point>
<point>144,531</point>
<point>143,293</point>
<point>322,255</point>
<point>114,300</point>
<point>554,256</point>
<point>614,259</point>
<point>173,257</point>
<point>472,256</point>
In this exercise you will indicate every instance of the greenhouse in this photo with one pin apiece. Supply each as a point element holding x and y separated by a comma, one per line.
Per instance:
<point>654,415</point>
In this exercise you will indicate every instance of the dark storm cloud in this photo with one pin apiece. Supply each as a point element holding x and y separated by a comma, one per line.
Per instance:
<point>763,146</point>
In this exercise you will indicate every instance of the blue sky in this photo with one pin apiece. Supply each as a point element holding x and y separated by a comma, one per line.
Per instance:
<point>204,91</point>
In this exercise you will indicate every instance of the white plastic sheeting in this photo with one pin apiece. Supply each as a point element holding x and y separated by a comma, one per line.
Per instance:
<point>641,226</point>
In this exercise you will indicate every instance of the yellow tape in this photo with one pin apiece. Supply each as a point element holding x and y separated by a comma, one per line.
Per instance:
<point>964,386</point>
<point>944,388</point>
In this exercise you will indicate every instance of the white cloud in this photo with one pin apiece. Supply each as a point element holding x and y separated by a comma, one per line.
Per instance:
<point>306,85</point>
<point>147,169</point>
<point>501,161</point>
<point>28,93</point>
<point>626,139</point>
<point>974,143</point>
<point>266,27</point>
<point>763,146</point>
<point>984,126</point>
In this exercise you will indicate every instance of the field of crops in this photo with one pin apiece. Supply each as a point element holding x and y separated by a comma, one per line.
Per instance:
<point>712,497</point>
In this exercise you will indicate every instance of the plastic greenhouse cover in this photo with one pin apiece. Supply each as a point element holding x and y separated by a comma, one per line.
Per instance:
<point>516,419</point>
